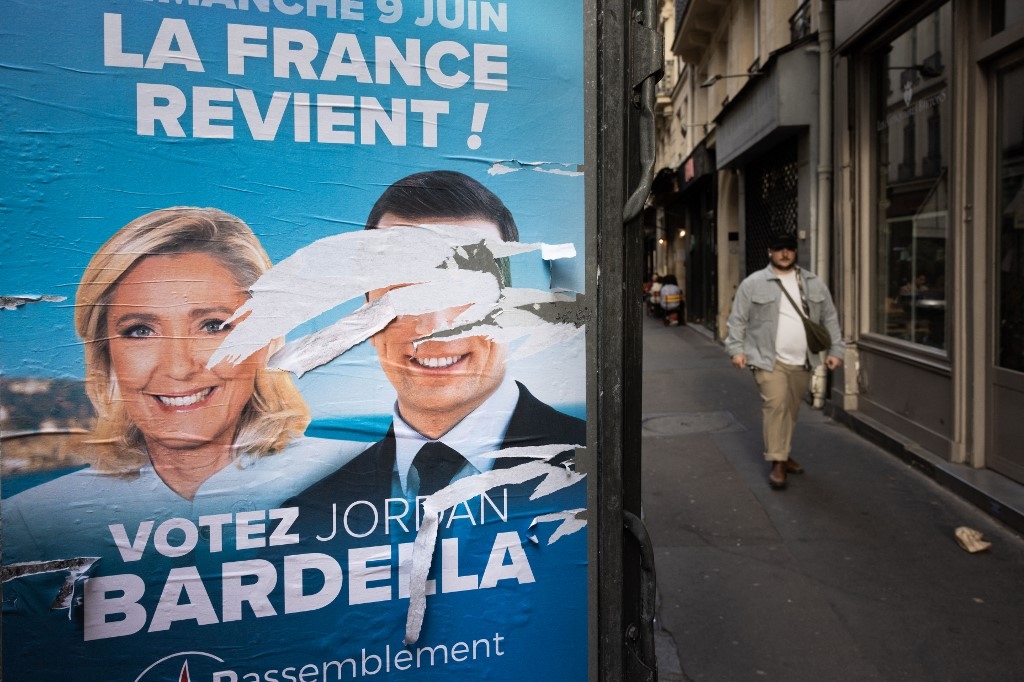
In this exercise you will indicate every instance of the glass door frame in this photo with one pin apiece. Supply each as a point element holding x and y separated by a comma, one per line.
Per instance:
<point>1004,386</point>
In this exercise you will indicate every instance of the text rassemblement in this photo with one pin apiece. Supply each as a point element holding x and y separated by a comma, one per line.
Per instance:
<point>370,664</point>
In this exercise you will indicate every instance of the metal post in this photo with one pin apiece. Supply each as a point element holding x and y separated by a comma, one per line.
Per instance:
<point>624,159</point>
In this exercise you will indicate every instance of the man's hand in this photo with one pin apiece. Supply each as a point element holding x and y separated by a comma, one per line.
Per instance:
<point>831,362</point>
<point>739,360</point>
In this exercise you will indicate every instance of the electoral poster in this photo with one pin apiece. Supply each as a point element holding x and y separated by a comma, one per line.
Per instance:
<point>292,304</point>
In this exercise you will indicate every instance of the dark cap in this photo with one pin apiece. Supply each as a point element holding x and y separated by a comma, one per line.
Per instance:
<point>784,240</point>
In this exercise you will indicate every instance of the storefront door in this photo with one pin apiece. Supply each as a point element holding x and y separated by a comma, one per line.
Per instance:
<point>1006,382</point>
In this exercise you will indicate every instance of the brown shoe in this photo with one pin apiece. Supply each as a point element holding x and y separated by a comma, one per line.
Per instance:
<point>792,467</point>
<point>777,476</point>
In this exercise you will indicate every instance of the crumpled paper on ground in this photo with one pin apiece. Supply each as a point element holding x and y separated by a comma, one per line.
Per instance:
<point>970,540</point>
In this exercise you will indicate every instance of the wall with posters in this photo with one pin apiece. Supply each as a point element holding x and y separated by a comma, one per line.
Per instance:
<point>215,382</point>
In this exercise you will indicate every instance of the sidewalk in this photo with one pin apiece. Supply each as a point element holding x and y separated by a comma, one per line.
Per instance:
<point>852,573</point>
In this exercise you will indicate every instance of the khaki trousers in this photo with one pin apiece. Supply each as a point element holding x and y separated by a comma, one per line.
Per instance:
<point>782,391</point>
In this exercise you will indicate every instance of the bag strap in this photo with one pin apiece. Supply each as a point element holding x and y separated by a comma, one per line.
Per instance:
<point>803,291</point>
<point>800,312</point>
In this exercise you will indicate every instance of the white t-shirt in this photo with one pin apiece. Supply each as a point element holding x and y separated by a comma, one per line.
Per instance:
<point>790,339</point>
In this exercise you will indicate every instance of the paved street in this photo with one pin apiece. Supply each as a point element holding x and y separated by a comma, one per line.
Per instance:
<point>852,573</point>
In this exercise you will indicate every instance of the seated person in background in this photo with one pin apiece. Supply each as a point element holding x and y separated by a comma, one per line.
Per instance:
<point>671,300</point>
<point>654,297</point>
<point>919,284</point>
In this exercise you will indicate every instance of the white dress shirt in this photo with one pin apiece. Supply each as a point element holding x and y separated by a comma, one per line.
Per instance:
<point>479,433</point>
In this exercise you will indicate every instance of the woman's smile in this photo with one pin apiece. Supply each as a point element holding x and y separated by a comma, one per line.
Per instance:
<point>185,400</point>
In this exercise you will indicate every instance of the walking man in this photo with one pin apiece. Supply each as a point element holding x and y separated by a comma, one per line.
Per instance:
<point>766,334</point>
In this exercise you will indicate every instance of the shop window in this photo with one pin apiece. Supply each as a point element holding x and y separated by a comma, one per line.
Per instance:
<point>913,278</point>
<point>1010,202</point>
<point>912,145</point>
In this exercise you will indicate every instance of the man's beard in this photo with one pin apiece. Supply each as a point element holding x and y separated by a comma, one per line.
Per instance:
<point>784,268</point>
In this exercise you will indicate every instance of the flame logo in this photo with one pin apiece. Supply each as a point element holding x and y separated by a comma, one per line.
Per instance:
<point>159,669</point>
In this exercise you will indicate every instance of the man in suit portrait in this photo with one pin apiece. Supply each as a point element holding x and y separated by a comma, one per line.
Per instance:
<point>502,551</point>
<point>455,401</point>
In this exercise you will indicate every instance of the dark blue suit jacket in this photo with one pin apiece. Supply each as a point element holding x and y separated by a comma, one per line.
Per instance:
<point>529,611</point>
<point>369,475</point>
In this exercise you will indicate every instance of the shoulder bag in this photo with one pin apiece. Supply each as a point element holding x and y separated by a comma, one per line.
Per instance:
<point>818,338</point>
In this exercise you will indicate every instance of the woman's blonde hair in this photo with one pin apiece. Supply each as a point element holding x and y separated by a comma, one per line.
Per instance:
<point>274,415</point>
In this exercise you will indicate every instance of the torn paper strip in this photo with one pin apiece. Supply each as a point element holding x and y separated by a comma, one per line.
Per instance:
<point>512,166</point>
<point>553,478</point>
<point>427,268</point>
<point>569,522</point>
<point>76,569</point>
<point>14,302</point>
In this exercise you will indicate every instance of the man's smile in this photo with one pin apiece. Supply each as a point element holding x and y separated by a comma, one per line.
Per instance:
<point>442,362</point>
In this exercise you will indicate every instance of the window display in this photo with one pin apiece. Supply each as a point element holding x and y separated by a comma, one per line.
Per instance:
<point>912,175</point>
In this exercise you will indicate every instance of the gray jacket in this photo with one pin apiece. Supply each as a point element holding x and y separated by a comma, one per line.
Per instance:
<point>754,319</point>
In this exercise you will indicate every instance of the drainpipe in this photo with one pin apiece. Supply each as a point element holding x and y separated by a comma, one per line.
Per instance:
<point>823,228</point>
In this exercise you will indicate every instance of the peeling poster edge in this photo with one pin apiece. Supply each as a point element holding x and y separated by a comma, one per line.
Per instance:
<point>16,301</point>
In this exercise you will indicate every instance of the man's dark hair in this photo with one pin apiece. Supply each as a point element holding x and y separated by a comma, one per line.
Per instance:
<point>443,194</point>
<point>439,194</point>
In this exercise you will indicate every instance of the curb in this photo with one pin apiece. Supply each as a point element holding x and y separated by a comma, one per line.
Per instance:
<point>992,493</point>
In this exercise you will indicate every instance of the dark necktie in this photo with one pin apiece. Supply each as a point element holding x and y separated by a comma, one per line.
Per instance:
<point>436,464</point>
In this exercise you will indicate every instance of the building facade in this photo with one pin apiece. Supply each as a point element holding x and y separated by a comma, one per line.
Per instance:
<point>889,137</point>
<point>740,135</point>
<point>930,225</point>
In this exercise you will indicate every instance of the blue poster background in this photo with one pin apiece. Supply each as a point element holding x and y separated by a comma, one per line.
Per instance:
<point>77,168</point>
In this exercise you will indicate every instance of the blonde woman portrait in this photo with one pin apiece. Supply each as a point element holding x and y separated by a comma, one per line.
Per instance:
<point>173,437</point>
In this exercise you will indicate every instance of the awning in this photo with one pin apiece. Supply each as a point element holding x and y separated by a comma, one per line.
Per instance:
<point>778,103</point>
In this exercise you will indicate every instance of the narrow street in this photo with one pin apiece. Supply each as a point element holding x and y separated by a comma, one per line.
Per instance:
<point>852,573</point>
